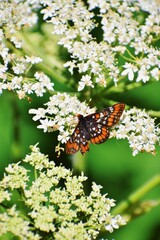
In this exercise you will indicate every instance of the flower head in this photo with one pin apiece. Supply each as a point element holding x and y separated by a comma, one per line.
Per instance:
<point>55,202</point>
<point>140,130</point>
<point>74,22</point>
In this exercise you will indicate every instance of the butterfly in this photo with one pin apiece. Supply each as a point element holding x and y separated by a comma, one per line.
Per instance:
<point>94,128</point>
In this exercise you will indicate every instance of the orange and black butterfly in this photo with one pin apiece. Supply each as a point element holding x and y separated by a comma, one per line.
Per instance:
<point>94,128</point>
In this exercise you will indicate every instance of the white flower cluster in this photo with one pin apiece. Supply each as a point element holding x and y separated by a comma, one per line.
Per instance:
<point>11,221</point>
<point>126,36</point>
<point>55,203</point>
<point>13,66</point>
<point>140,130</point>
<point>60,114</point>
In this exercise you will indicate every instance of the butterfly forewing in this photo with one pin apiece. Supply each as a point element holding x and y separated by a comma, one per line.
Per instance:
<point>115,114</point>
<point>100,122</point>
<point>107,117</point>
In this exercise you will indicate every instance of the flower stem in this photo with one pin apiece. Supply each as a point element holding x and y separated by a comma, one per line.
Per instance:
<point>136,196</point>
<point>154,113</point>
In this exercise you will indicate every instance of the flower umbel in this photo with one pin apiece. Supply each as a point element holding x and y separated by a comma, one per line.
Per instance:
<point>125,38</point>
<point>140,130</point>
<point>56,203</point>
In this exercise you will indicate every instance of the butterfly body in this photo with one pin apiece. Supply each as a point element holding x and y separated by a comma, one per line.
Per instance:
<point>83,125</point>
<point>94,128</point>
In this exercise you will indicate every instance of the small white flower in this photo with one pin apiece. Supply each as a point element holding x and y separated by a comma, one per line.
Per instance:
<point>17,81</point>
<point>3,69</point>
<point>21,94</point>
<point>2,87</point>
<point>27,87</point>
<point>143,75</point>
<point>16,41</point>
<point>33,59</point>
<point>38,88</point>
<point>46,125</point>
<point>39,113</point>
<point>19,68</point>
<point>3,50</point>
<point>129,70</point>
<point>83,67</point>
<point>114,222</point>
<point>70,65</point>
<point>85,81</point>
<point>155,72</point>
<point>44,81</point>
<point>101,80</point>
<point>63,136</point>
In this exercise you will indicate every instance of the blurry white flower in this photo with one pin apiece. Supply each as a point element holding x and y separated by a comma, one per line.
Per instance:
<point>63,136</point>
<point>155,72</point>
<point>16,41</point>
<point>33,59</point>
<point>27,87</point>
<point>39,113</point>
<point>114,222</point>
<point>85,81</point>
<point>130,69</point>
<point>44,81</point>
<point>21,94</point>
<point>2,87</point>
<point>143,75</point>
<point>3,50</point>
<point>19,68</point>
<point>46,125</point>
<point>101,80</point>
<point>17,81</point>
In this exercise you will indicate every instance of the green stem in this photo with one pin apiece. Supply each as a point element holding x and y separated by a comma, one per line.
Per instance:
<point>35,174</point>
<point>154,113</point>
<point>127,59</point>
<point>130,54</point>
<point>137,195</point>
<point>156,39</point>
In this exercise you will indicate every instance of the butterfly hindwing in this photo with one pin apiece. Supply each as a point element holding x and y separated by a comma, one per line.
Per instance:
<point>78,141</point>
<point>100,136</point>
<point>98,131</point>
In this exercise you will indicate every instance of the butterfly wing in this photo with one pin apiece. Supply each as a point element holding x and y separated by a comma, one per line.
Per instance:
<point>78,140</point>
<point>94,127</point>
<point>99,123</point>
<point>114,113</point>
